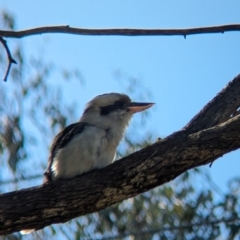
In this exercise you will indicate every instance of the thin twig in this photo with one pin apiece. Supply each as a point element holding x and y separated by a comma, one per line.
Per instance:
<point>109,32</point>
<point>10,59</point>
<point>121,32</point>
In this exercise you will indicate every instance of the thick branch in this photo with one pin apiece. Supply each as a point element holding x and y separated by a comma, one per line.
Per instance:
<point>62,200</point>
<point>219,109</point>
<point>120,32</point>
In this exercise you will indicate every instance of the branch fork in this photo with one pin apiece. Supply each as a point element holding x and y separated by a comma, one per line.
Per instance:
<point>9,55</point>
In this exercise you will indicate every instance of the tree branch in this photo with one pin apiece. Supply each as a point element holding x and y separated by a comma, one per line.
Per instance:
<point>109,32</point>
<point>120,32</point>
<point>219,109</point>
<point>10,59</point>
<point>62,200</point>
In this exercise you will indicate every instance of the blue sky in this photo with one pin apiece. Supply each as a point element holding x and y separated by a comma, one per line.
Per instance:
<point>181,74</point>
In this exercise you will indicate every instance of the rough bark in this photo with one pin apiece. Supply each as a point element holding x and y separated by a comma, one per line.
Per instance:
<point>209,135</point>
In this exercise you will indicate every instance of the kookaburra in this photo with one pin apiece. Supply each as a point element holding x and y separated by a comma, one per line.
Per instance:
<point>91,143</point>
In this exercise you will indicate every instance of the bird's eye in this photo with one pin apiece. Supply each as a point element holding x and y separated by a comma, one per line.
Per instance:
<point>111,108</point>
<point>106,110</point>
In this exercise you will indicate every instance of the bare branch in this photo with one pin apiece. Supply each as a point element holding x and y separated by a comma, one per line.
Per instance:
<point>120,32</point>
<point>109,32</point>
<point>62,200</point>
<point>10,59</point>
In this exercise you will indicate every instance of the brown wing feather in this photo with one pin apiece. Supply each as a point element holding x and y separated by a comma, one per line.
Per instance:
<point>60,141</point>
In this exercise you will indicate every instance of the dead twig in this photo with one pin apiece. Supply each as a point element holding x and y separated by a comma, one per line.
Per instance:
<point>10,59</point>
<point>121,31</point>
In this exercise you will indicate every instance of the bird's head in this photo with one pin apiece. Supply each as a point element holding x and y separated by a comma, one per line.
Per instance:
<point>112,109</point>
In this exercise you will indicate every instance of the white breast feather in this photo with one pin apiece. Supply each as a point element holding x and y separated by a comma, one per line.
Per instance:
<point>91,149</point>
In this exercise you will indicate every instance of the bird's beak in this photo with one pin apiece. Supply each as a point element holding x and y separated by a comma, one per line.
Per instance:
<point>135,107</point>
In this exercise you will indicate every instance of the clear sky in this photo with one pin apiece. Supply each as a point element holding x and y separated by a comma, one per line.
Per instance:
<point>181,74</point>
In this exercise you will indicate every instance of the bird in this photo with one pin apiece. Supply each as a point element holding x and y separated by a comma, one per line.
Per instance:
<point>91,142</point>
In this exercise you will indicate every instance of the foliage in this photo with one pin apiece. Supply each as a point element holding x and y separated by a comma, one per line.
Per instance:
<point>31,110</point>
